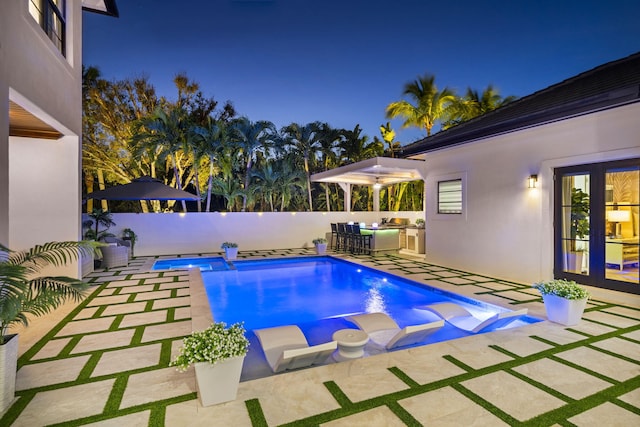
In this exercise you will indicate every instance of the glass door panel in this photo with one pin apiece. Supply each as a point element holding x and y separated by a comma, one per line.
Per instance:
<point>575,223</point>
<point>622,188</point>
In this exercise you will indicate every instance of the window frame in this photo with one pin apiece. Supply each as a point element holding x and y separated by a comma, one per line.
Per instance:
<point>459,202</point>
<point>49,16</point>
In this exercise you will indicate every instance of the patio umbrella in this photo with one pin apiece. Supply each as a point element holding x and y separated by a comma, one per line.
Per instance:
<point>143,188</point>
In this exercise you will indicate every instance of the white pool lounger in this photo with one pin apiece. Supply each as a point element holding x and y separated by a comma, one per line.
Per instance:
<point>461,318</point>
<point>385,332</point>
<point>286,347</point>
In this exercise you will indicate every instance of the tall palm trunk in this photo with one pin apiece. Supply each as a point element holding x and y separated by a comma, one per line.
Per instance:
<point>197,179</point>
<point>209,184</point>
<point>306,171</point>
<point>88,180</point>
<point>177,178</point>
<point>247,178</point>
<point>103,203</point>
<point>326,196</point>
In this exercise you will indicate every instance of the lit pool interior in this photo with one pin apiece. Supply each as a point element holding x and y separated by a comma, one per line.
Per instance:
<point>317,293</point>
<point>205,264</point>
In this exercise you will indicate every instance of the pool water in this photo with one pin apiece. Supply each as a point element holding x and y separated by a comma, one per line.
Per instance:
<point>205,264</point>
<point>317,293</point>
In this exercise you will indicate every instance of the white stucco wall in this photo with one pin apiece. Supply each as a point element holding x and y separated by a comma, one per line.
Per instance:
<point>168,234</point>
<point>40,185</point>
<point>507,229</point>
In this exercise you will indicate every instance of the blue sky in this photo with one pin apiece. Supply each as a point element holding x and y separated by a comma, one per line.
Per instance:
<point>344,61</point>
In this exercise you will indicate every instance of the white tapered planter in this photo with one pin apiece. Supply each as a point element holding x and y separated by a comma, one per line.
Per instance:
<point>8,368</point>
<point>231,253</point>
<point>218,382</point>
<point>321,248</point>
<point>567,312</point>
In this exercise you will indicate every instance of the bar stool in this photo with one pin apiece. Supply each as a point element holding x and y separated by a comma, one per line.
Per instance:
<point>341,243</point>
<point>352,241</point>
<point>333,244</point>
<point>364,241</point>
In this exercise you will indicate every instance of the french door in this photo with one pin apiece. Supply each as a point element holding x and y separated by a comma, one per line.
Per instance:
<point>596,224</point>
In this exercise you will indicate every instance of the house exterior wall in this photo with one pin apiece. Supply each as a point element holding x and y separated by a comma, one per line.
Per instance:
<point>40,177</point>
<point>506,229</point>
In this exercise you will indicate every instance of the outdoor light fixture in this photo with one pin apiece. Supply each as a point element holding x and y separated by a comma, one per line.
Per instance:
<point>377,185</point>
<point>532,181</point>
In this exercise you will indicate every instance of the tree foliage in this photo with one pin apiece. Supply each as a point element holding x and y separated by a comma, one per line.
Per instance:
<point>236,164</point>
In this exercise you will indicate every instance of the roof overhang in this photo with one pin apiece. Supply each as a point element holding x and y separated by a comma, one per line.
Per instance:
<point>105,7</point>
<point>381,170</point>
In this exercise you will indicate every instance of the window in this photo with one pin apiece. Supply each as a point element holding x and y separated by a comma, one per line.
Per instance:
<point>49,14</point>
<point>450,197</point>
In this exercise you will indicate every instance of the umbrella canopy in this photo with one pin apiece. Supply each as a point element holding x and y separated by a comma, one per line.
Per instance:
<point>143,188</point>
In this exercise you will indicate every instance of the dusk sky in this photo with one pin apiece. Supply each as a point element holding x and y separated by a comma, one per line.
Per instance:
<point>344,61</point>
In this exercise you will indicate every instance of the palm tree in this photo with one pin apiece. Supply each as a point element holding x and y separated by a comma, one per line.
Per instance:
<point>167,129</point>
<point>250,137</point>
<point>99,217</point>
<point>291,180</point>
<point>388,136</point>
<point>329,141</point>
<point>305,140</point>
<point>211,140</point>
<point>268,182</point>
<point>24,292</point>
<point>474,105</point>
<point>229,189</point>
<point>430,104</point>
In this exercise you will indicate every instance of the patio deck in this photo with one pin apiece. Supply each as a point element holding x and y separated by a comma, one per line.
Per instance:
<point>103,362</point>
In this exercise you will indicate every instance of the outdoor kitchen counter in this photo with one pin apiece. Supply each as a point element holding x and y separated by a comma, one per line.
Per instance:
<point>383,239</point>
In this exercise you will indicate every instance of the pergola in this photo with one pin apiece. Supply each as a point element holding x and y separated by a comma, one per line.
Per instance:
<point>377,172</point>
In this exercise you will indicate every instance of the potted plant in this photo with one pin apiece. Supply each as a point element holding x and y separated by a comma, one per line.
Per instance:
<point>129,234</point>
<point>217,354</point>
<point>579,229</point>
<point>230,250</point>
<point>24,292</point>
<point>91,227</point>
<point>420,223</point>
<point>564,300</point>
<point>321,245</point>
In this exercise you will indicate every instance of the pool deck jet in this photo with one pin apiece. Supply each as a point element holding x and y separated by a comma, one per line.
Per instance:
<point>104,362</point>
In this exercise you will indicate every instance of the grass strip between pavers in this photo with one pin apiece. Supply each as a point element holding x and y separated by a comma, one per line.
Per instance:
<point>255,413</point>
<point>403,377</point>
<point>485,404</point>
<point>403,414</point>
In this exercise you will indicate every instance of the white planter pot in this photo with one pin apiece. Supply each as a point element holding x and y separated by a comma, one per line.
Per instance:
<point>218,383</point>
<point>567,312</point>
<point>8,368</point>
<point>321,248</point>
<point>231,253</point>
<point>574,262</point>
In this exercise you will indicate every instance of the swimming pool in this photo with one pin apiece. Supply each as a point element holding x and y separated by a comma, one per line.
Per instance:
<point>317,293</point>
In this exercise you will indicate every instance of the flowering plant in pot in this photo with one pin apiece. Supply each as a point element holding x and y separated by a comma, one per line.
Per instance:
<point>230,249</point>
<point>217,354</point>
<point>564,300</point>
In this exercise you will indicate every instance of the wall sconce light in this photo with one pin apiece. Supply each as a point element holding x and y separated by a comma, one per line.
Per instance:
<point>532,181</point>
<point>377,185</point>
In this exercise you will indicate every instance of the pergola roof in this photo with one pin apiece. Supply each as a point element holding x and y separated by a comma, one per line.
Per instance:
<point>381,170</point>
